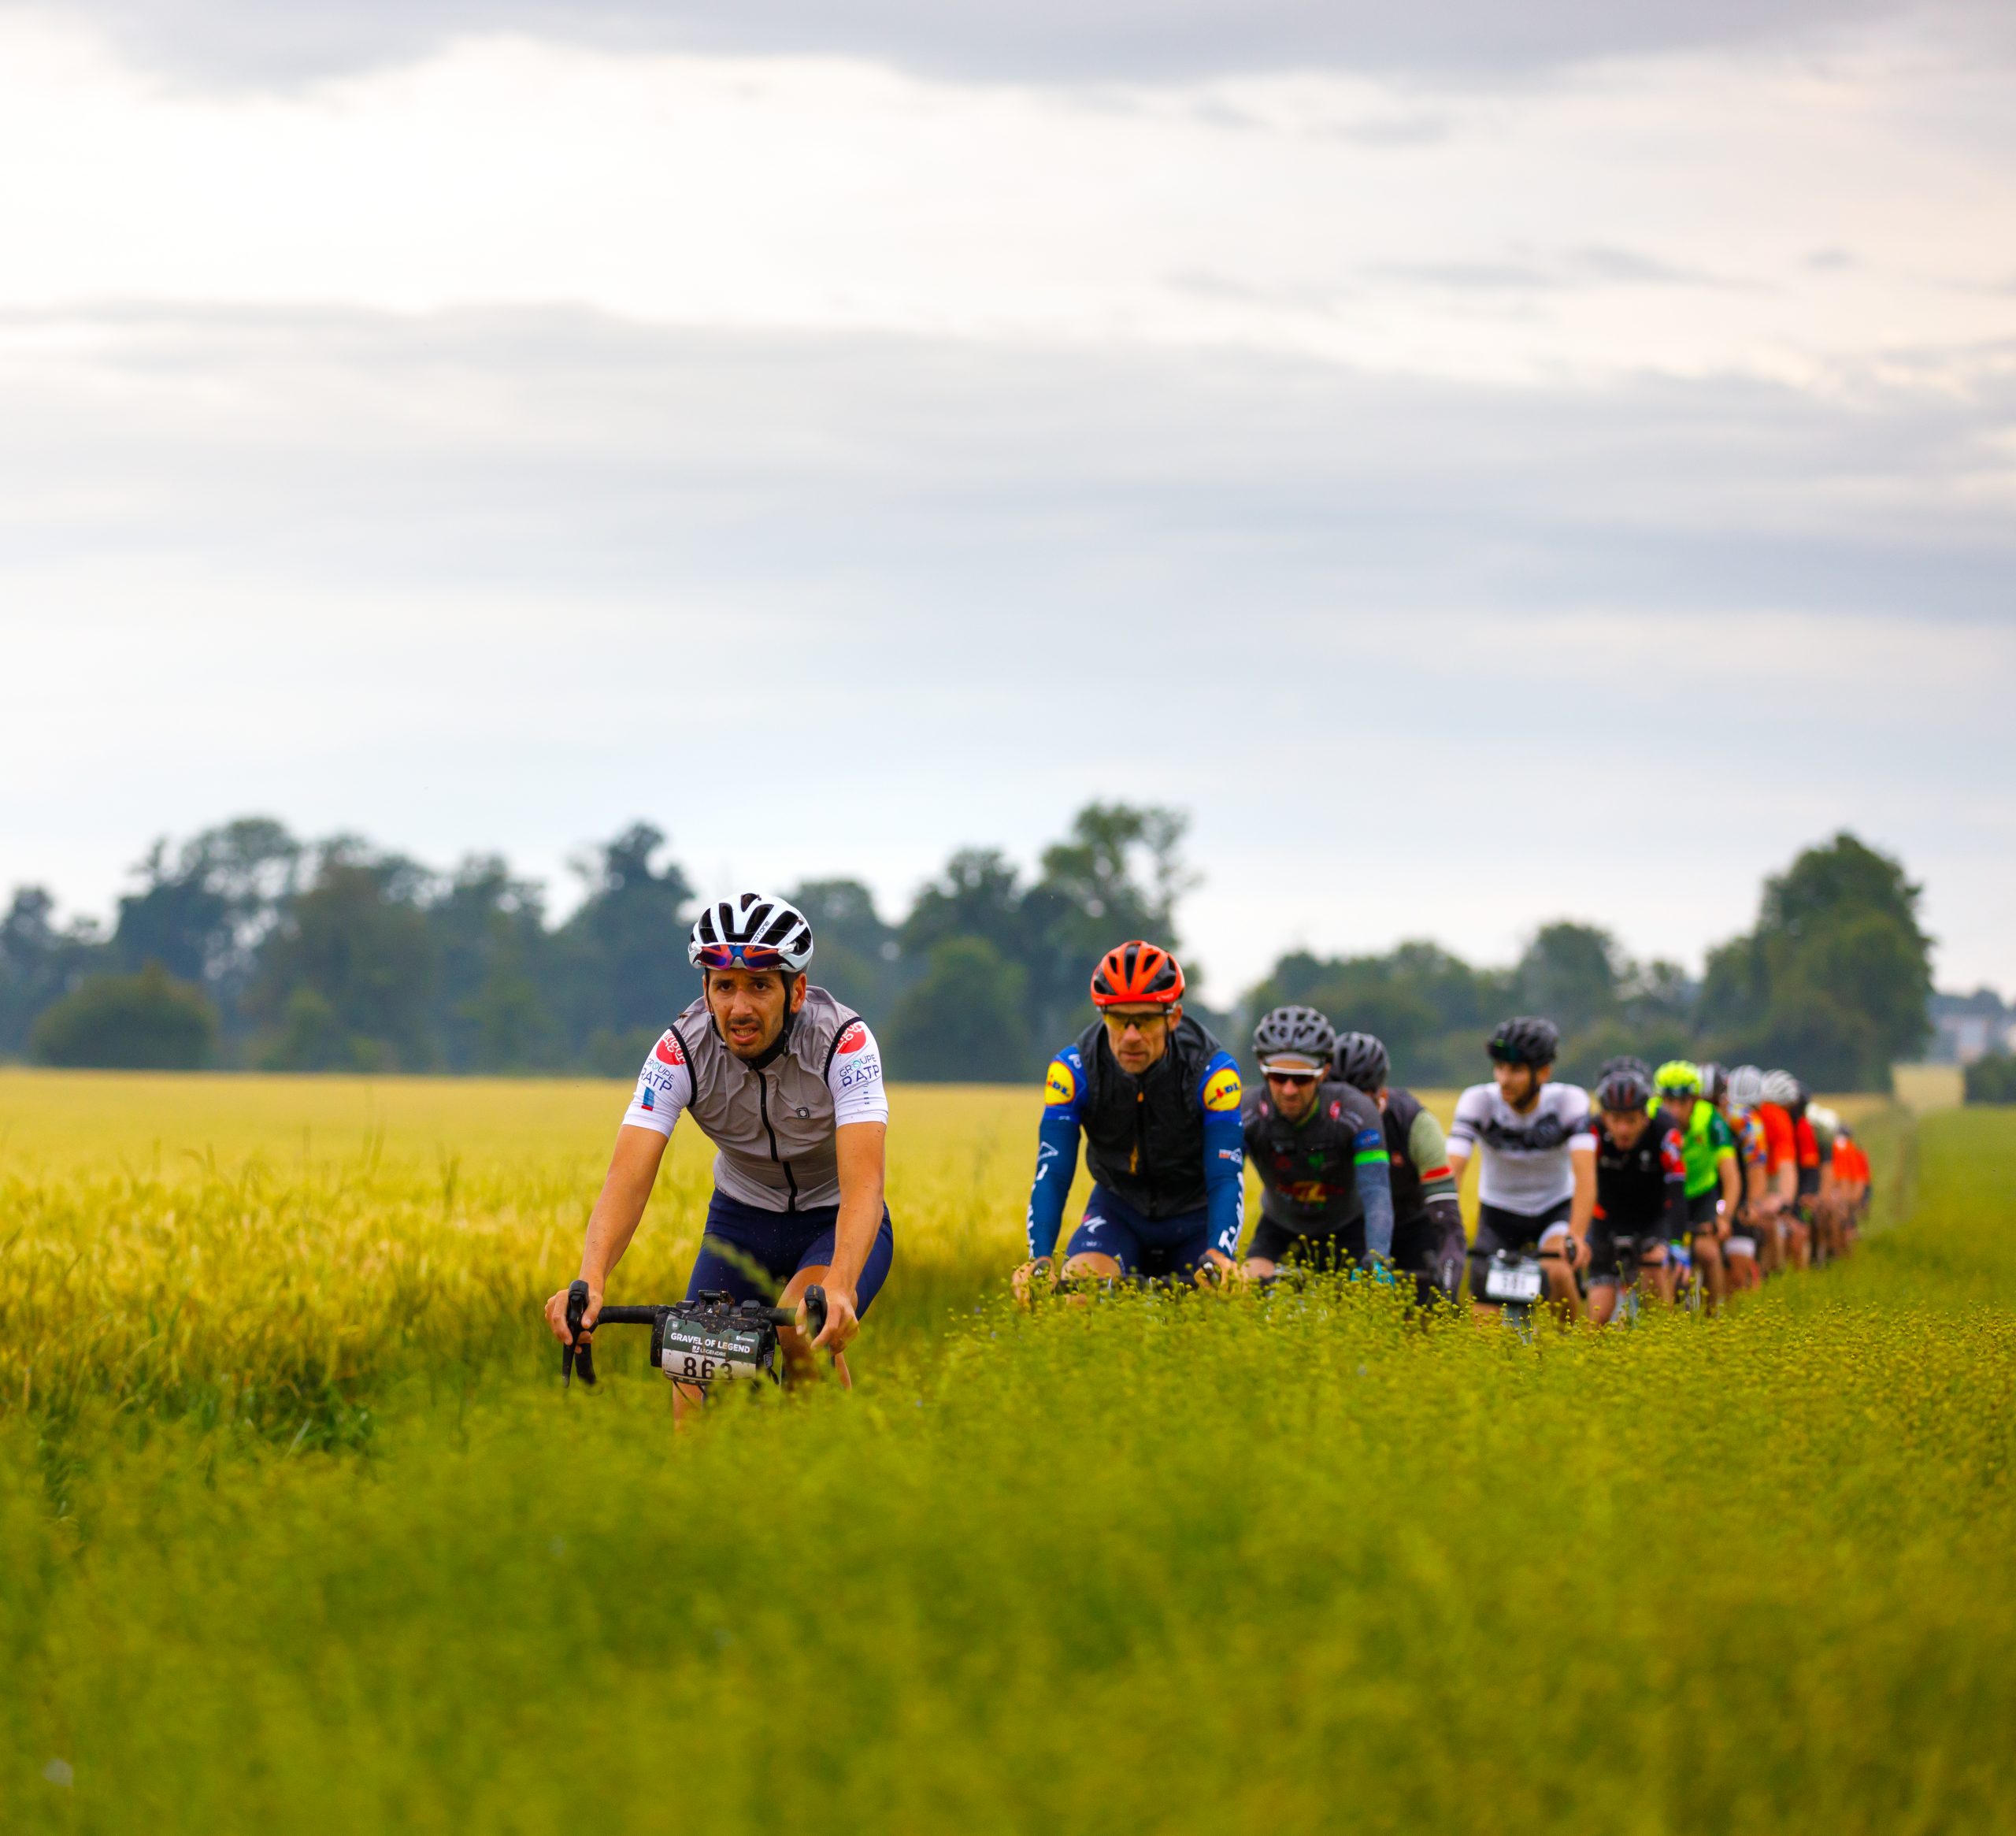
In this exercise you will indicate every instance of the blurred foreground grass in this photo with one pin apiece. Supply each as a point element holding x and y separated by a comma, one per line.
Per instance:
<point>297,1532</point>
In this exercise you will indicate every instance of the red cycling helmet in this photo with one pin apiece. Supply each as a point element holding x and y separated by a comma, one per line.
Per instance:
<point>1137,974</point>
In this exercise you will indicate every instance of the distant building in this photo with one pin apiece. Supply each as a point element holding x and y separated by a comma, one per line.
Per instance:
<point>1967,1027</point>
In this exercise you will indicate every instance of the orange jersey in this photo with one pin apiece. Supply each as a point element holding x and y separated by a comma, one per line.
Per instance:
<point>1780,1146</point>
<point>1850,1163</point>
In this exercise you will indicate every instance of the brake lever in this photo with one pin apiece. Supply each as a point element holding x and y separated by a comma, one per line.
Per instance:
<point>577,1351</point>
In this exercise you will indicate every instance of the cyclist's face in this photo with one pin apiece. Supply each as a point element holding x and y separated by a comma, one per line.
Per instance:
<point>1138,1036</point>
<point>749,1007</point>
<point>1626,1127</point>
<point>1519,1085</point>
<point>1293,1085</point>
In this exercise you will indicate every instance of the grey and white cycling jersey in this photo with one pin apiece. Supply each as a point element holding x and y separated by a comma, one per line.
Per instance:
<point>1525,1166</point>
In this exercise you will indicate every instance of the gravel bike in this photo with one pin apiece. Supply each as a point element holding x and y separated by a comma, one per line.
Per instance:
<point>712,1338</point>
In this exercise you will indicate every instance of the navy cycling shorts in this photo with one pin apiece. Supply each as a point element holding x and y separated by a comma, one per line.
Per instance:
<point>1142,1246</point>
<point>751,1254</point>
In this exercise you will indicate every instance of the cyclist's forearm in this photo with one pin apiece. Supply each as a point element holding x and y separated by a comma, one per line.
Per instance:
<point>1057,1165</point>
<point>853,1236</point>
<point>1582,1207</point>
<point>1225,1179</point>
<point>619,1209</point>
<point>1375,1192</point>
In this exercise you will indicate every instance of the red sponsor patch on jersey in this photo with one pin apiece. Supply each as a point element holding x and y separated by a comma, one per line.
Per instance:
<point>667,1051</point>
<point>855,1037</point>
<point>1337,1110</point>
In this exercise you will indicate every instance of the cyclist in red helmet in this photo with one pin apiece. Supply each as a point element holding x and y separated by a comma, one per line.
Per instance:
<point>1157,1099</point>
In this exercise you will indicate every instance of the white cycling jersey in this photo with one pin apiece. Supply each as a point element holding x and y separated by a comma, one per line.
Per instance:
<point>1525,1166</point>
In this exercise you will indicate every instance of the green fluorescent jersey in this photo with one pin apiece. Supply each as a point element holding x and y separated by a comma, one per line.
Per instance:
<point>1705,1141</point>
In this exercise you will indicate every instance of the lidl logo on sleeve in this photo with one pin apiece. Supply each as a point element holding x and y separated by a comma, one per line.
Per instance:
<point>1060,1086</point>
<point>1221,1088</point>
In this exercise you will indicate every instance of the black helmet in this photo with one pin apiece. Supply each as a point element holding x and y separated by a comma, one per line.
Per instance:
<point>1625,1085</point>
<point>1525,1041</point>
<point>1625,1061</point>
<point>1363,1063</point>
<point>1714,1082</point>
<point>1299,1030</point>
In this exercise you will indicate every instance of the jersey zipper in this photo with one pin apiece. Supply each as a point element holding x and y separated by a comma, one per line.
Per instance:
<point>763,1104</point>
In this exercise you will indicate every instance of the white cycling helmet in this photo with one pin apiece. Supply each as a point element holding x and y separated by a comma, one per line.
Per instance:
<point>1822,1117</point>
<point>1746,1087</point>
<point>753,930</point>
<point>1781,1088</point>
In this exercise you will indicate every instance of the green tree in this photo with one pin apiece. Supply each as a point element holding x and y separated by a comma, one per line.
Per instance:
<point>619,972</point>
<point>1430,1008</point>
<point>964,1022</point>
<point>203,914</point>
<point>40,962</point>
<point>358,942</point>
<point>1571,974</point>
<point>858,956</point>
<point>490,945</point>
<point>149,1022</point>
<point>1835,980</point>
<point>1991,1079</point>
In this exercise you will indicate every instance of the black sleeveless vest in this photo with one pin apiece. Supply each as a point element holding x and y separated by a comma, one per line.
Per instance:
<point>1144,1136</point>
<point>1401,1107</point>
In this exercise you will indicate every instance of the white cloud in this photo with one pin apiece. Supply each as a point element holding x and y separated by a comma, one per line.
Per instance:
<point>1668,211</point>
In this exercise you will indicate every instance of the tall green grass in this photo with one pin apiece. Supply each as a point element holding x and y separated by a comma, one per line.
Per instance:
<point>1293,1564</point>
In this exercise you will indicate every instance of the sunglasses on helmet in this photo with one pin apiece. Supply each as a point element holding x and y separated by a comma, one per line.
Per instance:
<point>739,956</point>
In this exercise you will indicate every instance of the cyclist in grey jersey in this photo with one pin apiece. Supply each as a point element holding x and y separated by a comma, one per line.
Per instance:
<point>1536,1141</point>
<point>787,1083</point>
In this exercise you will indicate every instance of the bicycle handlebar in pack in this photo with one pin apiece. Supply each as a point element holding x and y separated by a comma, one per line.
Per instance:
<point>711,1338</point>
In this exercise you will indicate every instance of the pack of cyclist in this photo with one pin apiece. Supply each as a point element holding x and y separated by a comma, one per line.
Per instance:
<point>1721,1178</point>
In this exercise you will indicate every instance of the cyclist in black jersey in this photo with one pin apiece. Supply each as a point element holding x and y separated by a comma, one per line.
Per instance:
<point>1641,1191</point>
<point>1320,1150</point>
<point>1428,1222</point>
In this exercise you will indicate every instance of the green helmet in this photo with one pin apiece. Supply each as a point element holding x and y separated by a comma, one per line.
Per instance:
<point>1678,1078</point>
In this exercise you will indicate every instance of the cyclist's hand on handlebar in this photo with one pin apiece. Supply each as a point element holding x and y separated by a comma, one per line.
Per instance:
<point>841,1322</point>
<point>556,1312</point>
<point>1024,1279</point>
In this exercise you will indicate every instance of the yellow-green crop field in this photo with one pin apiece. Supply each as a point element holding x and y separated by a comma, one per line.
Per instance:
<point>298,1533</point>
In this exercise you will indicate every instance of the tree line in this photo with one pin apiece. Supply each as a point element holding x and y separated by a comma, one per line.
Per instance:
<point>245,946</point>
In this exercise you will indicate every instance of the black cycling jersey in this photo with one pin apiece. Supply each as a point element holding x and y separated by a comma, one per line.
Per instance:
<point>1401,1107</point>
<point>1641,1189</point>
<point>1308,1170</point>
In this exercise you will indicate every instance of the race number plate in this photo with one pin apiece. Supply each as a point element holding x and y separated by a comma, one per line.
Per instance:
<point>698,1354</point>
<point>1521,1281</point>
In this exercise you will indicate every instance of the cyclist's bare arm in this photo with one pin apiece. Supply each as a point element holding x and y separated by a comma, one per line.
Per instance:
<point>861,1149</point>
<point>1730,1172</point>
<point>1459,1161</point>
<point>1582,1206</point>
<point>633,1169</point>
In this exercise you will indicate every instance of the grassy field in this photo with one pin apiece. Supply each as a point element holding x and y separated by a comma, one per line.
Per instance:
<point>297,1531</point>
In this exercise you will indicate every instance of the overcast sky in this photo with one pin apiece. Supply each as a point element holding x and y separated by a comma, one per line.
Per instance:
<point>1483,471</point>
